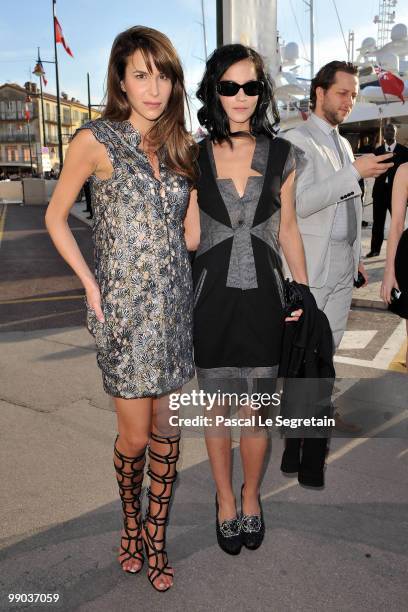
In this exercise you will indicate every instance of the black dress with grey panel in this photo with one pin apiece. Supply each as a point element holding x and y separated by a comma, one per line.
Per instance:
<point>237,270</point>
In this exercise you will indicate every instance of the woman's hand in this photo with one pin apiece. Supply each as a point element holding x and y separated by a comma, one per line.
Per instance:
<point>93,298</point>
<point>389,282</point>
<point>295,315</point>
<point>362,269</point>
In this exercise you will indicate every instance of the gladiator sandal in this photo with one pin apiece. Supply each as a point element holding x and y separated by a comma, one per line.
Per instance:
<point>129,474</point>
<point>163,473</point>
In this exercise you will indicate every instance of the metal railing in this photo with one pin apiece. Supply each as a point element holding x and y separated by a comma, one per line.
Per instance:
<point>15,159</point>
<point>16,137</point>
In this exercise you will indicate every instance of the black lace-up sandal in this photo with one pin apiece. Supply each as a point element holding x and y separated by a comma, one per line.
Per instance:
<point>252,527</point>
<point>129,474</point>
<point>228,533</point>
<point>154,524</point>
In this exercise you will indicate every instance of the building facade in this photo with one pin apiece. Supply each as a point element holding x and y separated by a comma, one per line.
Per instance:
<point>24,148</point>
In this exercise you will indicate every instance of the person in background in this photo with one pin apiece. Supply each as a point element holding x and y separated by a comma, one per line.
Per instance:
<point>382,190</point>
<point>328,197</point>
<point>366,146</point>
<point>88,198</point>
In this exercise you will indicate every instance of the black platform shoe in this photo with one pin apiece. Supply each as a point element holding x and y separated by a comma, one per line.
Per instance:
<point>252,527</point>
<point>228,533</point>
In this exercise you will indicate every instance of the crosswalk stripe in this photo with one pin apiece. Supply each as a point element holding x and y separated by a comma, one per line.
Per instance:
<point>41,318</point>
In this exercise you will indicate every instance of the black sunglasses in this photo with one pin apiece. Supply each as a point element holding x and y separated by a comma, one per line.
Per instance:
<point>230,88</point>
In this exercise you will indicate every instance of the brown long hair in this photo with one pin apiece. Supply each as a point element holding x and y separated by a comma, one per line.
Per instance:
<point>169,136</point>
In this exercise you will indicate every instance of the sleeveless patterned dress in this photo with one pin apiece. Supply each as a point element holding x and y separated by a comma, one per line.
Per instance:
<point>144,348</point>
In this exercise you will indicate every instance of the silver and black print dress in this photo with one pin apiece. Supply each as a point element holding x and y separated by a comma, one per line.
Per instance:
<point>144,348</point>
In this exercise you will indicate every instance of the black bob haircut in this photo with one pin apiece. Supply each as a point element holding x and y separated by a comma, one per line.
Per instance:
<point>212,116</point>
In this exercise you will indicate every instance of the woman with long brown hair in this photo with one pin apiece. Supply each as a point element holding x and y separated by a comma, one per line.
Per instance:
<point>139,305</point>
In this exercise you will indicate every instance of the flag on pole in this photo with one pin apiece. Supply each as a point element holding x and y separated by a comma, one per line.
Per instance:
<point>390,83</point>
<point>27,112</point>
<point>40,72</point>
<point>59,37</point>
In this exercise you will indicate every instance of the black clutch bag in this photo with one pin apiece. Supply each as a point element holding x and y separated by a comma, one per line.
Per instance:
<point>397,303</point>
<point>293,296</point>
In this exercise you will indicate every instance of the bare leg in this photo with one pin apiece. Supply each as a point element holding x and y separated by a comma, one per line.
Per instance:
<point>218,442</point>
<point>253,447</point>
<point>163,456</point>
<point>134,425</point>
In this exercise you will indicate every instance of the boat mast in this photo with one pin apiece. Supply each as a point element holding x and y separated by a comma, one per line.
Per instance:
<point>385,19</point>
<point>204,30</point>
<point>309,4</point>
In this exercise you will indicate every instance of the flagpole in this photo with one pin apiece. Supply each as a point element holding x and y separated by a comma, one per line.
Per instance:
<point>42,101</point>
<point>60,150</point>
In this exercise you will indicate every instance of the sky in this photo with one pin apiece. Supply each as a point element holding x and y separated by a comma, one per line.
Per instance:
<point>89,27</point>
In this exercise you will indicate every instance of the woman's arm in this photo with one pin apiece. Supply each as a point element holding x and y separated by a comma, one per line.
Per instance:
<point>290,238</point>
<point>80,162</point>
<point>192,223</point>
<point>289,235</point>
<point>399,209</point>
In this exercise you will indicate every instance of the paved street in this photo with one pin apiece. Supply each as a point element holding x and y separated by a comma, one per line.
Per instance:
<point>38,290</point>
<point>343,548</point>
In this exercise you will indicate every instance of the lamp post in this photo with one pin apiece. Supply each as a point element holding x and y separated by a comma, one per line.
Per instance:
<point>27,118</point>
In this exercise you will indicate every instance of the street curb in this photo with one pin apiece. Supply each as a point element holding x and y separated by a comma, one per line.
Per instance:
<point>373,304</point>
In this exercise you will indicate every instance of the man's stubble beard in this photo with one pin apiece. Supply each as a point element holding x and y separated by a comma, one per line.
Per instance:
<point>332,116</point>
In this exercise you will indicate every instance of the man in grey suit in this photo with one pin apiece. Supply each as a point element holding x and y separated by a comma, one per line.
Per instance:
<point>328,202</point>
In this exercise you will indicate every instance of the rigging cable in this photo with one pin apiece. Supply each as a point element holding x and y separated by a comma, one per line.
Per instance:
<point>299,30</point>
<point>341,27</point>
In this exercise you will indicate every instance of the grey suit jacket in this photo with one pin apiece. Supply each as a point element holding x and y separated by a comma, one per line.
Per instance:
<point>321,183</point>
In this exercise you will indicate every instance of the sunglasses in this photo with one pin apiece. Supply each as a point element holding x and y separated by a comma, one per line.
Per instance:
<point>230,88</point>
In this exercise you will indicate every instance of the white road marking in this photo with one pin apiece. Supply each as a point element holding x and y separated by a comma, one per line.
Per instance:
<point>346,449</point>
<point>357,339</point>
<point>31,319</point>
<point>384,355</point>
<point>402,453</point>
<point>374,265</point>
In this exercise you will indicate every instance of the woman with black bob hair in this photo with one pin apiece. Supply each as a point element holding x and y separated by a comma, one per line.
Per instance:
<point>245,194</point>
<point>212,115</point>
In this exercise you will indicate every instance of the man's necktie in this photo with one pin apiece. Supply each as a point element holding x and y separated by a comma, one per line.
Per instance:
<point>339,148</point>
